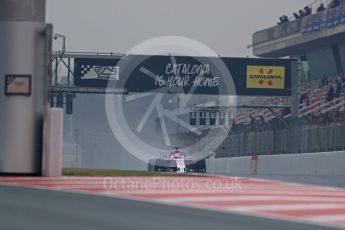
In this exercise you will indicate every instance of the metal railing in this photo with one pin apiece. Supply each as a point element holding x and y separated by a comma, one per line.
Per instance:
<point>276,32</point>
<point>320,20</point>
<point>298,140</point>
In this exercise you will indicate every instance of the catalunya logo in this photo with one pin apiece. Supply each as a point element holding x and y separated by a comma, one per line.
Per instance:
<point>265,77</point>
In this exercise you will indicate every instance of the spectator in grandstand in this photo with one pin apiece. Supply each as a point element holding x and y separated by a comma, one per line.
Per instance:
<point>281,20</point>
<point>285,18</point>
<point>342,81</point>
<point>262,120</point>
<point>301,14</point>
<point>324,81</point>
<point>337,89</point>
<point>330,94</point>
<point>307,10</point>
<point>321,8</point>
<point>296,16</point>
<point>252,120</point>
<point>286,111</point>
<point>304,99</point>
<point>334,4</point>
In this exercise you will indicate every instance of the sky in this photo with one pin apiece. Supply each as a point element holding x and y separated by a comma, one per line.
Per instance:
<point>225,26</point>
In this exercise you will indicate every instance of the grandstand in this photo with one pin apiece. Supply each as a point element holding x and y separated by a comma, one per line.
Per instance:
<point>313,102</point>
<point>317,42</point>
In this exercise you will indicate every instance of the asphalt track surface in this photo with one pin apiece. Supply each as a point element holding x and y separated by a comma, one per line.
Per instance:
<point>31,208</point>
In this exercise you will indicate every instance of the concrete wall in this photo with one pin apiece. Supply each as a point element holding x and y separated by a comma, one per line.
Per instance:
<point>236,165</point>
<point>298,43</point>
<point>328,163</point>
<point>53,143</point>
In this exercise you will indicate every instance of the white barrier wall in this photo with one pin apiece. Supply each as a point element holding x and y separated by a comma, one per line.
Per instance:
<point>238,165</point>
<point>327,163</point>
<point>53,143</point>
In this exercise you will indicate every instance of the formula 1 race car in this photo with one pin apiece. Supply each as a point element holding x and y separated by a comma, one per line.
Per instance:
<point>177,161</point>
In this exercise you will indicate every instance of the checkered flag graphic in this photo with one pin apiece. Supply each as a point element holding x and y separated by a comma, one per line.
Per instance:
<point>85,69</point>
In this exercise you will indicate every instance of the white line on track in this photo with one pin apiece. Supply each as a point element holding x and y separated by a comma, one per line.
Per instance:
<point>326,218</point>
<point>249,198</point>
<point>285,207</point>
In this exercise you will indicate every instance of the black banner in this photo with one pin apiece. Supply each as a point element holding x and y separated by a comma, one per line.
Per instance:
<point>183,74</point>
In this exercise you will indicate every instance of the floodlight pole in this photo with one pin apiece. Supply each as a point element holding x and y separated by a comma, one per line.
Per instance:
<point>63,37</point>
<point>294,90</point>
